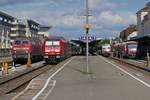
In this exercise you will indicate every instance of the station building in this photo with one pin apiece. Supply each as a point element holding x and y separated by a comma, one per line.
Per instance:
<point>44,31</point>
<point>128,34</point>
<point>143,27</point>
<point>32,28</point>
<point>24,28</point>
<point>5,29</point>
<point>143,21</point>
<point>18,29</point>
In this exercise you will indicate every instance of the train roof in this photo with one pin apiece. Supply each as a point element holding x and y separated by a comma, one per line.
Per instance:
<point>129,42</point>
<point>56,37</point>
<point>27,38</point>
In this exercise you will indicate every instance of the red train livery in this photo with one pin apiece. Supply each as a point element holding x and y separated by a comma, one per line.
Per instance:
<point>21,47</point>
<point>56,49</point>
<point>126,49</point>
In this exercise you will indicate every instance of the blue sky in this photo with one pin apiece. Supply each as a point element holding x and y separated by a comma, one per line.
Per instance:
<point>66,17</point>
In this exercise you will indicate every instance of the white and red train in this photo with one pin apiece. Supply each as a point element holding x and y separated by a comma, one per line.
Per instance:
<point>56,49</point>
<point>125,49</point>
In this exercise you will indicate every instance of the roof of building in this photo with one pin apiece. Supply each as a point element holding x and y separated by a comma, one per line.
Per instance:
<point>145,9</point>
<point>44,28</point>
<point>32,21</point>
<point>128,31</point>
<point>6,15</point>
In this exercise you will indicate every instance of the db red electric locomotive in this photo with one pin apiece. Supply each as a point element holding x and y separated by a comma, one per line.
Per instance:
<point>22,47</point>
<point>56,49</point>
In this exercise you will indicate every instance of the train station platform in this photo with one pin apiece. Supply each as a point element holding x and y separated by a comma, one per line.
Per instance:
<point>19,69</point>
<point>5,84</point>
<point>142,64</point>
<point>106,80</point>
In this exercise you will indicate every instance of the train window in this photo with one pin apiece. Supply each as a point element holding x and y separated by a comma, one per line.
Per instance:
<point>17,42</point>
<point>49,43</point>
<point>56,43</point>
<point>25,42</point>
<point>52,43</point>
<point>132,46</point>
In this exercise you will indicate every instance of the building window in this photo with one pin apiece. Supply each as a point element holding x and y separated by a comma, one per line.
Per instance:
<point>5,20</point>
<point>10,22</point>
<point>1,18</point>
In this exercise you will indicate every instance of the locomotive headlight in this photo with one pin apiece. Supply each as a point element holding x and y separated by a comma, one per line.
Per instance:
<point>45,56</point>
<point>14,48</point>
<point>47,50</point>
<point>57,56</point>
<point>107,50</point>
<point>26,51</point>
<point>57,50</point>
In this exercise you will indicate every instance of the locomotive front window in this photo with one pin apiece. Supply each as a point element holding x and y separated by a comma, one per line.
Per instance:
<point>25,42</point>
<point>49,43</point>
<point>132,46</point>
<point>52,43</point>
<point>18,42</point>
<point>56,43</point>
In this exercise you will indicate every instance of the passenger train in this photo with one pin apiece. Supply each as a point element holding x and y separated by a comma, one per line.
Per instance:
<point>125,49</point>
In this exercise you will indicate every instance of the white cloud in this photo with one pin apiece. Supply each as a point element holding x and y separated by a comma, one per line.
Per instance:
<point>111,19</point>
<point>71,21</point>
<point>101,4</point>
<point>60,15</point>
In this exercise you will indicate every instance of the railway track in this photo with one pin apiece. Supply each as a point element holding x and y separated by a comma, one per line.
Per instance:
<point>12,83</point>
<point>142,69</point>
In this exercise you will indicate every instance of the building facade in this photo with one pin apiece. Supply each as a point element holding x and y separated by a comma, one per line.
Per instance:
<point>44,31</point>
<point>128,34</point>
<point>24,28</point>
<point>18,29</point>
<point>143,21</point>
<point>143,27</point>
<point>5,29</point>
<point>32,28</point>
<point>12,28</point>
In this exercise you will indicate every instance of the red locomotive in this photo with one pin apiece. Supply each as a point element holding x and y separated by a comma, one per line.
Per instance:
<point>21,47</point>
<point>126,49</point>
<point>56,49</point>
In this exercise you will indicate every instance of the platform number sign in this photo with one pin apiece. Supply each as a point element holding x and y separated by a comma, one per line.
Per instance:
<point>90,38</point>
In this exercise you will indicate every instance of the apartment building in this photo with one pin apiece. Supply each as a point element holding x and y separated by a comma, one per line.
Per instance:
<point>143,21</point>
<point>5,29</point>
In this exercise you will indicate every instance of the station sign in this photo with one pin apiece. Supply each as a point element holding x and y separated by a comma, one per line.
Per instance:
<point>90,38</point>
